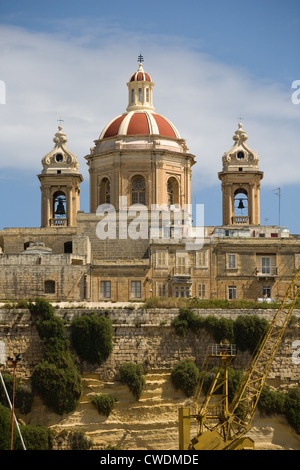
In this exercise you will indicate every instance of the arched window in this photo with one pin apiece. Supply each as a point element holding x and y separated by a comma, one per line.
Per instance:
<point>241,206</point>
<point>59,205</point>
<point>138,190</point>
<point>27,244</point>
<point>173,191</point>
<point>104,191</point>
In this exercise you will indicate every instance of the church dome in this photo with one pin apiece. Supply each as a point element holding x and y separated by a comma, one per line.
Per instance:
<point>140,127</point>
<point>137,123</point>
<point>140,76</point>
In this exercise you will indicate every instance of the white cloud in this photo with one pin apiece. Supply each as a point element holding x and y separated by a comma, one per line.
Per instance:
<point>83,79</point>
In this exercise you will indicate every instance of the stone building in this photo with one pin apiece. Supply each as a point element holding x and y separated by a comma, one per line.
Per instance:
<point>138,241</point>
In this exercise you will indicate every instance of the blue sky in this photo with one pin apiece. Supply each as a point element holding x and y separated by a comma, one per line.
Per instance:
<point>211,62</point>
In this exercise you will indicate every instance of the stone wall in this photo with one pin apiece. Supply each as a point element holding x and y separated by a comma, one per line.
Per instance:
<point>143,336</point>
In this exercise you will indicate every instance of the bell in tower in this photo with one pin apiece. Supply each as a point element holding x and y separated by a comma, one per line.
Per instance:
<point>240,176</point>
<point>60,185</point>
<point>241,204</point>
<point>60,202</point>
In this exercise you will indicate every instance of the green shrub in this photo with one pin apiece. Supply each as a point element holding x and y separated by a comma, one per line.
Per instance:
<point>23,394</point>
<point>59,387</point>
<point>92,337</point>
<point>187,320</point>
<point>34,437</point>
<point>5,427</point>
<point>219,328</point>
<point>248,331</point>
<point>104,403</point>
<point>41,309</point>
<point>79,441</point>
<point>185,376</point>
<point>245,331</point>
<point>132,375</point>
<point>271,402</point>
<point>50,328</point>
<point>292,408</point>
<point>56,378</point>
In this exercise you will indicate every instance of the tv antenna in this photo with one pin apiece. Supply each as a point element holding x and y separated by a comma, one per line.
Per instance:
<point>279,196</point>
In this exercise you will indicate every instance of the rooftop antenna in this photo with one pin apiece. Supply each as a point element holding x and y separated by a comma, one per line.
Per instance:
<point>279,196</point>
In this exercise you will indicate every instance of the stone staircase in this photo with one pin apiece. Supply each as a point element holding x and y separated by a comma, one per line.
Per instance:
<point>149,423</point>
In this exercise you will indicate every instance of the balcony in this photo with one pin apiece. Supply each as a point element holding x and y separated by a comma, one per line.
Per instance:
<point>58,222</point>
<point>240,219</point>
<point>182,271</point>
<point>266,271</point>
<point>181,274</point>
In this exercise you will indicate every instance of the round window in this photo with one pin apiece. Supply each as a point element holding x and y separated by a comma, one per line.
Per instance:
<point>59,157</point>
<point>240,155</point>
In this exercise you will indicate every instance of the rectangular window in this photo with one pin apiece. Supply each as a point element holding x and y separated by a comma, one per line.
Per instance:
<point>140,94</point>
<point>231,292</point>
<point>202,259</point>
<point>161,259</point>
<point>135,289</point>
<point>132,96</point>
<point>266,292</point>
<point>49,287</point>
<point>162,289</point>
<point>181,264</point>
<point>231,261</point>
<point>202,291</point>
<point>182,291</point>
<point>105,289</point>
<point>147,95</point>
<point>265,265</point>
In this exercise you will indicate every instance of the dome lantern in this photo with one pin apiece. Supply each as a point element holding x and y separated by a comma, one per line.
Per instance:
<point>140,89</point>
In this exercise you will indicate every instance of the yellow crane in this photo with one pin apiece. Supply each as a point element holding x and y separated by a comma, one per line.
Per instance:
<point>220,425</point>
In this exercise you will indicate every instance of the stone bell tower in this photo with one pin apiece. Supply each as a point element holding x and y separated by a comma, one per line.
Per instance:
<point>240,178</point>
<point>60,185</point>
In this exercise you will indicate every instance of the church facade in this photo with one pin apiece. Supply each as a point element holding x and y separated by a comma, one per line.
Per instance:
<point>137,241</point>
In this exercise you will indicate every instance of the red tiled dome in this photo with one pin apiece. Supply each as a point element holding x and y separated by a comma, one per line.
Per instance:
<point>140,76</point>
<point>140,123</point>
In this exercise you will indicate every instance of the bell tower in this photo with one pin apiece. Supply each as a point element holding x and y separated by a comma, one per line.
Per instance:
<point>60,185</point>
<point>240,177</point>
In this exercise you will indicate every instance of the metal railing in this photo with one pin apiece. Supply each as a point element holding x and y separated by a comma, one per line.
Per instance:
<point>221,349</point>
<point>266,271</point>
<point>182,271</point>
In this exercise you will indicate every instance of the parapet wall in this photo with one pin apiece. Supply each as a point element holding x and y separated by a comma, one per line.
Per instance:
<point>143,336</point>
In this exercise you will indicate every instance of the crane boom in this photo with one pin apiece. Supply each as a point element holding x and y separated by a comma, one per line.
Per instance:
<point>229,430</point>
<point>248,393</point>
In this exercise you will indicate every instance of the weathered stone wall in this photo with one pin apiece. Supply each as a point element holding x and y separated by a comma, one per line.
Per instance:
<point>27,278</point>
<point>143,336</point>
